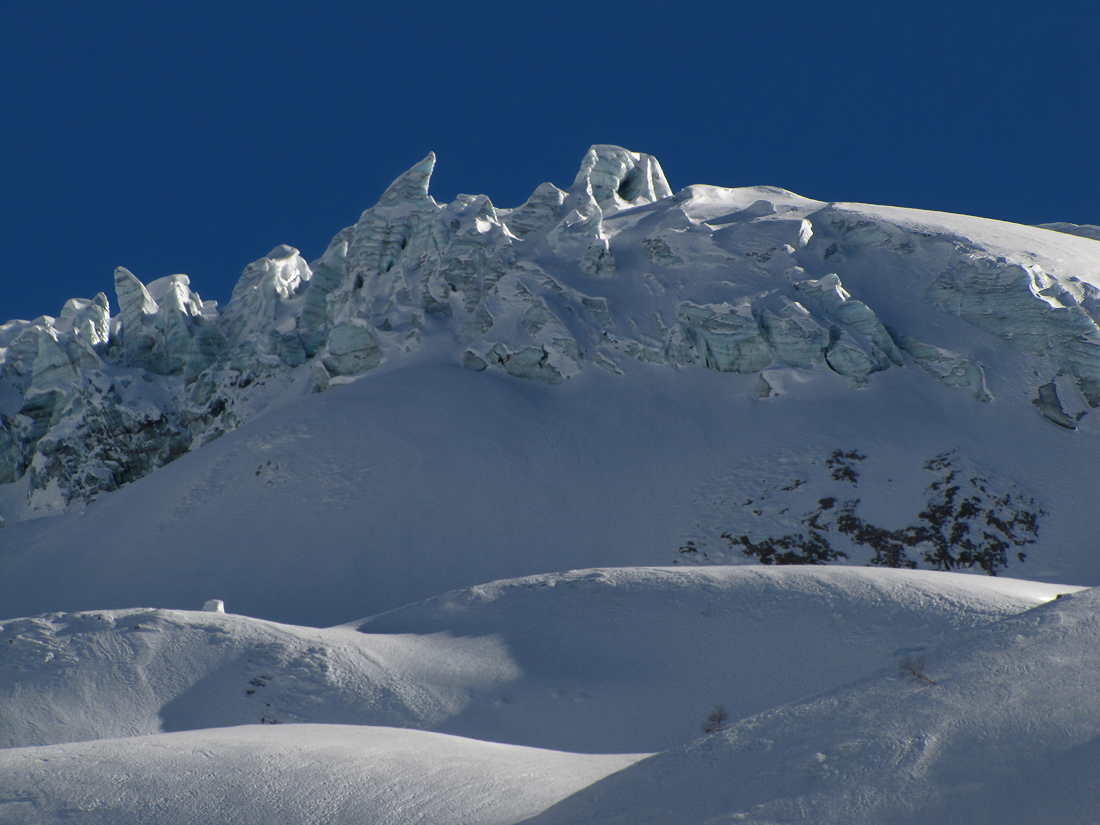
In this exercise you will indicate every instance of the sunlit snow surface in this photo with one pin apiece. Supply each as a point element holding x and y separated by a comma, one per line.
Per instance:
<point>381,461</point>
<point>605,661</point>
<point>295,774</point>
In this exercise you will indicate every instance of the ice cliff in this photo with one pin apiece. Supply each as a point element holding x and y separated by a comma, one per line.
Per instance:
<point>615,271</point>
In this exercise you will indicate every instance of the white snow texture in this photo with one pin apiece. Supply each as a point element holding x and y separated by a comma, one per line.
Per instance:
<point>505,502</point>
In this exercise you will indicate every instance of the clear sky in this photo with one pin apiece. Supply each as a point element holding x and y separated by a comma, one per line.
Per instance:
<point>195,136</point>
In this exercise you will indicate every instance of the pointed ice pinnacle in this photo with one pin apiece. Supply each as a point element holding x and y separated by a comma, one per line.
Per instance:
<point>411,186</point>
<point>135,305</point>
<point>134,299</point>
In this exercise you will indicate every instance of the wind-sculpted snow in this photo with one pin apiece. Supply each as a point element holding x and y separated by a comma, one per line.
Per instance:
<point>995,726</point>
<point>597,661</point>
<point>210,716</point>
<point>292,775</point>
<point>615,270</point>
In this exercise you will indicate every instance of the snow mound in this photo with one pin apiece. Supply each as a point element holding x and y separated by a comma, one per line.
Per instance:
<point>289,774</point>
<point>626,660</point>
<point>615,660</point>
<point>81,676</point>
<point>998,726</point>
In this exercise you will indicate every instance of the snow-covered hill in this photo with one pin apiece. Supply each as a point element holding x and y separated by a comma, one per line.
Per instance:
<point>657,391</point>
<point>602,661</point>
<point>293,774</point>
<point>614,661</point>
<point>1001,727</point>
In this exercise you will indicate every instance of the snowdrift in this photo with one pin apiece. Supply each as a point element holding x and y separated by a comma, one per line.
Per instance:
<point>601,661</point>
<point>1001,727</point>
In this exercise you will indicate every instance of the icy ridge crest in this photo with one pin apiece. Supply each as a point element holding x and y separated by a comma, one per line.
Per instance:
<point>613,270</point>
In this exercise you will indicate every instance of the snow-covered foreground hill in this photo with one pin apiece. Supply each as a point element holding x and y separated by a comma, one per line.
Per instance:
<point>601,661</point>
<point>295,774</point>
<point>614,661</point>
<point>1004,727</point>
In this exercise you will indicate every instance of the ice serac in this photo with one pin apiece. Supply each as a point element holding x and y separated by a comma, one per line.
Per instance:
<point>729,337</point>
<point>1048,403</point>
<point>844,357</point>
<point>622,177</point>
<point>90,321</point>
<point>412,186</point>
<point>579,234</point>
<point>614,273</point>
<point>610,178</point>
<point>136,306</point>
<point>351,350</point>
<point>948,367</point>
<point>797,339</point>
<point>1025,306</point>
<point>541,210</point>
<point>262,291</point>
<point>164,327</point>
<point>264,312</point>
<point>376,282</point>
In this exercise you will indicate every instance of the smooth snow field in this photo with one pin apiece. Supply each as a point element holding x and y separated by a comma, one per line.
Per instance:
<point>290,774</point>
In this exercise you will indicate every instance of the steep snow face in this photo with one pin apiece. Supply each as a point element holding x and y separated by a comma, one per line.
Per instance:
<point>613,272</point>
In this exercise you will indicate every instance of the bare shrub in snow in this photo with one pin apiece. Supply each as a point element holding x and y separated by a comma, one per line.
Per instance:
<point>716,720</point>
<point>965,522</point>
<point>913,668</point>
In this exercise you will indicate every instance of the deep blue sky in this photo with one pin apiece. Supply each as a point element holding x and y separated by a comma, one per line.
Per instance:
<point>195,136</point>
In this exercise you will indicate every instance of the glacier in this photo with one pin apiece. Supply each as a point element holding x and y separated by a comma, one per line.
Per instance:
<point>483,494</point>
<point>613,271</point>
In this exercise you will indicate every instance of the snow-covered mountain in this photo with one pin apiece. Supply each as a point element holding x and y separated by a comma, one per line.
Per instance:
<point>659,392</point>
<point>608,374</point>
<point>614,269</point>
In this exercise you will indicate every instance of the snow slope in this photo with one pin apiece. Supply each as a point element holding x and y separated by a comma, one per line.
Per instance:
<point>654,390</point>
<point>601,661</point>
<point>339,775</point>
<point>607,375</point>
<point>420,480</point>
<point>1007,733</point>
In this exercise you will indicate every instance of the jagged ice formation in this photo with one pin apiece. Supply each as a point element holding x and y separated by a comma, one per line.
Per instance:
<point>614,272</point>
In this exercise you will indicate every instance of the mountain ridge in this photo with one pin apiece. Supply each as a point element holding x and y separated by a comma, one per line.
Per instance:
<point>613,270</point>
